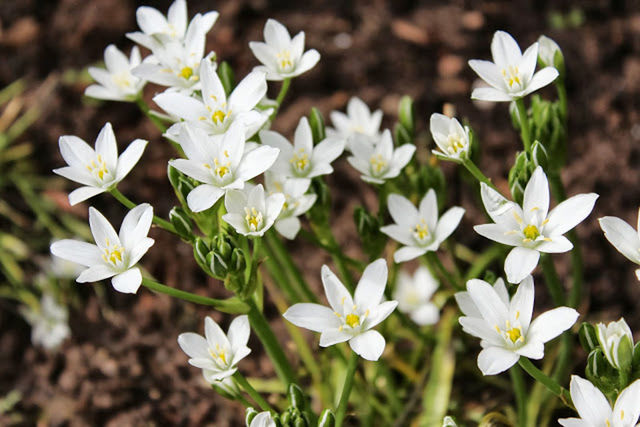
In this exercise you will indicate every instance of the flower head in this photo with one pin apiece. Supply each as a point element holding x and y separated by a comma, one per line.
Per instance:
<point>296,201</point>
<point>349,318</point>
<point>217,354</point>
<point>414,296</point>
<point>49,322</point>
<point>504,325</point>
<point>214,112</point>
<point>301,159</point>
<point>511,74</point>
<point>623,237</point>
<point>380,162</point>
<point>616,340</point>
<point>263,419</point>
<point>359,121</point>
<point>220,163</point>
<point>113,255</point>
<point>451,138</point>
<point>116,83</point>
<point>250,212</point>
<point>595,410</point>
<point>547,51</point>
<point>282,57</point>
<point>419,230</point>
<point>100,169</point>
<point>532,229</point>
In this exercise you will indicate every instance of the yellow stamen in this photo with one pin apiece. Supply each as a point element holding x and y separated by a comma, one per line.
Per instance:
<point>353,320</point>
<point>98,167</point>
<point>218,117</point>
<point>378,164</point>
<point>186,73</point>
<point>300,160</point>
<point>284,60</point>
<point>253,218</point>
<point>531,232</point>
<point>421,230</point>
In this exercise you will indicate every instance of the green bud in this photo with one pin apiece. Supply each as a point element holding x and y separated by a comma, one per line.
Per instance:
<point>250,415</point>
<point>368,227</point>
<point>300,422</point>
<point>402,135</point>
<point>200,252</point>
<point>625,353</point>
<point>174,176</point>
<point>217,265</point>
<point>227,78</point>
<point>316,122</point>
<point>519,176</point>
<point>296,396</point>
<point>285,418</point>
<point>600,372</point>
<point>181,222</point>
<point>406,115</point>
<point>238,262</point>
<point>327,419</point>
<point>222,245</point>
<point>588,337</point>
<point>539,155</point>
<point>184,187</point>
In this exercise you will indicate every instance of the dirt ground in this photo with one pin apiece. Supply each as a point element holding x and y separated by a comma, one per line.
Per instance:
<point>122,365</point>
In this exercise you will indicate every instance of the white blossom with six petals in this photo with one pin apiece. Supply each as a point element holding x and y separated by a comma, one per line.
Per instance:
<point>623,237</point>
<point>414,293</point>
<point>359,121</point>
<point>380,162</point>
<point>249,212</point>
<point>116,82</point>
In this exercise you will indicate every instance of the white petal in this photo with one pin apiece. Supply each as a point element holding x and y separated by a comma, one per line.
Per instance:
<point>494,360</point>
<point>193,169</point>
<point>102,230</point>
<point>203,197</point>
<point>448,223</point>
<point>214,334</point>
<point>239,331</point>
<point>139,250</point>
<point>150,20</point>
<point>106,146</point>
<point>95,273</point>
<point>194,345</point>
<point>288,227</point>
<point>541,79</point>
<point>498,233</point>
<point>490,94</point>
<point>336,293</point>
<point>328,150</point>
<point>135,225</point>
<point>555,244</point>
<point>428,208</point>
<point>129,158</point>
<point>75,151</point>
<point>552,323</point>
<point>248,92</point>
<point>622,236</point>
<point>570,213</point>
<point>399,233</point>
<point>573,422</point>
<point>427,314</point>
<point>83,193</point>
<point>627,406</point>
<point>489,72</point>
<point>492,308</point>
<point>479,328</point>
<point>368,345</point>
<point>590,403</point>
<point>82,253</point>
<point>371,286</point>
<point>276,34</point>
<point>314,317</point>
<point>402,210</point>
<point>520,263</point>
<point>127,282</point>
<point>505,49</point>
<point>466,304</point>
<point>308,61</point>
<point>181,105</point>
<point>333,336</point>
<point>407,253</point>
<point>257,161</point>
<point>522,302</point>
<point>536,196</point>
<point>380,313</point>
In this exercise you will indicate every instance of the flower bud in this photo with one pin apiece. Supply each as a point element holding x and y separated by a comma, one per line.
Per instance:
<point>519,176</point>
<point>539,155</point>
<point>316,122</point>
<point>250,415</point>
<point>238,262</point>
<point>200,252</point>
<point>327,419</point>
<point>616,342</point>
<point>588,337</point>
<point>181,222</point>
<point>406,115</point>
<point>402,135</point>
<point>601,373</point>
<point>227,78</point>
<point>222,246</point>
<point>296,396</point>
<point>217,265</point>
<point>368,227</point>
<point>550,55</point>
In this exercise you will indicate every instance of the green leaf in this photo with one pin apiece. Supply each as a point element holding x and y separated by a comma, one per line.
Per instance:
<point>316,121</point>
<point>227,78</point>
<point>406,114</point>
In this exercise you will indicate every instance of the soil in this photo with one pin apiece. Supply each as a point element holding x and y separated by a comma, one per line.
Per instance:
<point>122,365</point>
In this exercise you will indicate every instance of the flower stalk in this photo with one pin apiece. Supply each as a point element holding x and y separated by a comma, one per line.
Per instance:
<point>346,389</point>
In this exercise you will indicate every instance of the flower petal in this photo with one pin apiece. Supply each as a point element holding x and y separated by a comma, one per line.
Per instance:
<point>84,193</point>
<point>333,336</point>
<point>314,317</point>
<point>95,273</point>
<point>371,286</point>
<point>83,253</point>
<point>570,213</point>
<point>520,263</point>
<point>194,345</point>
<point>203,197</point>
<point>448,223</point>
<point>368,345</point>
<point>622,236</point>
<point>627,407</point>
<point>492,308</point>
<point>590,403</point>
<point>402,210</point>
<point>129,158</point>
<point>239,331</point>
<point>336,293</point>
<point>494,360</point>
<point>127,282</point>
<point>103,232</point>
<point>408,253</point>
<point>536,197</point>
<point>552,323</point>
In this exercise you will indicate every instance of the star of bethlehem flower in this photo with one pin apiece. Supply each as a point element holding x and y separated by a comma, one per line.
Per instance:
<point>175,63</point>
<point>547,50</point>
<point>61,268</point>
<point>532,229</point>
<point>451,138</point>
<point>349,319</point>
<point>49,322</point>
<point>419,230</point>
<point>380,162</point>
<point>281,56</point>
<point>511,74</point>
<point>301,159</point>
<point>359,121</point>
<point>158,29</point>
<point>219,162</point>
<point>249,212</point>
<point>214,112</point>
<point>114,254</point>
<point>263,419</point>
<point>100,169</point>
<point>623,237</point>
<point>116,83</point>
<point>217,354</point>
<point>616,338</point>
<point>595,410</point>
<point>296,201</point>
<point>504,325</point>
<point>414,293</point>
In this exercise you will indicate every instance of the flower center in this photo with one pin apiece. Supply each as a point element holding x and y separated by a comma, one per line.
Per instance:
<point>512,77</point>
<point>220,169</point>
<point>421,230</point>
<point>378,164</point>
<point>511,333</point>
<point>113,254</point>
<point>122,80</point>
<point>219,354</point>
<point>300,160</point>
<point>284,60</point>
<point>514,334</point>
<point>254,219</point>
<point>98,167</point>
<point>455,143</point>
<point>186,73</point>
<point>219,116</point>
<point>352,320</point>
<point>531,232</point>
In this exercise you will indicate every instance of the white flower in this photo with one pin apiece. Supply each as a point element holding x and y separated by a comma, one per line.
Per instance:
<point>249,212</point>
<point>349,319</point>
<point>113,255</point>
<point>263,419</point>
<point>282,57</point>
<point>100,169</point>
<point>532,228</point>
<point>116,83</point>
<point>158,29</point>
<point>220,162</point>
<point>511,74</point>
<point>62,268</point>
<point>359,121</point>
<point>379,162</point>
<point>505,327</point>
<point>623,237</point>
<point>296,202</point>
<point>451,138</point>
<point>547,50</point>
<point>414,296</point>
<point>49,322</point>
<point>302,159</point>
<point>611,336</point>
<point>419,229</point>
<point>214,112</point>
<point>217,354</point>
<point>595,410</point>
<point>176,63</point>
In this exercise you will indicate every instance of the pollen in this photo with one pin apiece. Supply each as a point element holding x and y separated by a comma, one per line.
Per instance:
<point>254,219</point>
<point>218,117</point>
<point>221,169</point>
<point>219,354</point>
<point>284,60</point>
<point>531,232</point>
<point>186,73</point>
<point>98,167</point>
<point>353,320</point>
<point>378,164</point>
<point>455,143</point>
<point>421,230</point>
<point>514,334</point>
<point>300,160</point>
<point>113,254</point>
<point>512,76</point>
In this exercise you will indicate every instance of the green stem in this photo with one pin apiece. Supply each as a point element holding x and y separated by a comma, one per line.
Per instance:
<point>551,278</point>
<point>476,172</point>
<point>346,389</point>
<point>520,391</point>
<point>524,124</point>
<point>231,305</point>
<point>283,92</point>
<point>242,382</point>
<point>547,381</point>
<point>562,97</point>
<point>432,258</point>
<point>164,224</point>
<point>484,260</point>
<point>271,345</point>
<point>311,238</point>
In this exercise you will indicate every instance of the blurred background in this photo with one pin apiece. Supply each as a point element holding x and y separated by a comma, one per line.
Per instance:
<point>121,364</point>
